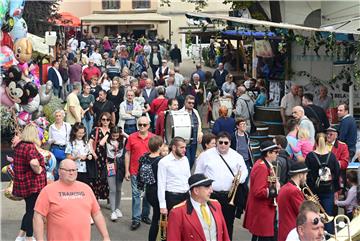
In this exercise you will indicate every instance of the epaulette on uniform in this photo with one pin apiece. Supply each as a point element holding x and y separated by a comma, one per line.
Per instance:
<point>341,142</point>
<point>180,204</point>
<point>262,162</point>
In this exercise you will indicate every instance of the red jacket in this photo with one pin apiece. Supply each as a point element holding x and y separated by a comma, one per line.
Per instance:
<point>260,209</point>
<point>160,124</point>
<point>341,152</point>
<point>184,224</point>
<point>289,200</point>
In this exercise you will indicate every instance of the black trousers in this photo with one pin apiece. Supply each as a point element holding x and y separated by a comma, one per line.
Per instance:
<point>260,238</point>
<point>27,220</point>
<point>151,196</point>
<point>173,199</point>
<point>227,210</point>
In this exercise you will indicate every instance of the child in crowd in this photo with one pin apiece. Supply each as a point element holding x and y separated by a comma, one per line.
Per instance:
<point>350,203</point>
<point>304,143</point>
<point>114,150</point>
<point>164,150</point>
<point>78,150</point>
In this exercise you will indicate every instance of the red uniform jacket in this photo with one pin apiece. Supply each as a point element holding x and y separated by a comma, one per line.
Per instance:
<point>341,152</point>
<point>184,224</point>
<point>260,210</point>
<point>289,200</point>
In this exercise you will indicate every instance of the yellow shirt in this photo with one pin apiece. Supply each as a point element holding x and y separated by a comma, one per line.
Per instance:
<point>72,100</point>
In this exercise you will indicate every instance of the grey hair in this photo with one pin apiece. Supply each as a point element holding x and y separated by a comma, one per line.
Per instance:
<point>59,111</point>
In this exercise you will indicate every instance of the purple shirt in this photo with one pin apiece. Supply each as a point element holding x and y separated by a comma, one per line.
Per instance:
<point>75,73</point>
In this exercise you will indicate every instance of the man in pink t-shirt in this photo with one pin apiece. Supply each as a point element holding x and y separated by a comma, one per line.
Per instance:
<point>67,206</point>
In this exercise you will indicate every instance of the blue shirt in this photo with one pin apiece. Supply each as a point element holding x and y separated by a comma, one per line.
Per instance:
<point>293,141</point>
<point>348,132</point>
<point>224,124</point>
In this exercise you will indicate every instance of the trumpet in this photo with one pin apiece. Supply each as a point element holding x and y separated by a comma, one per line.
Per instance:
<point>162,227</point>
<point>233,189</point>
<point>309,195</point>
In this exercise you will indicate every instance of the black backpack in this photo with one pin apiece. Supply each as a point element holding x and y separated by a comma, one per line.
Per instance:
<point>145,174</point>
<point>324,179</point>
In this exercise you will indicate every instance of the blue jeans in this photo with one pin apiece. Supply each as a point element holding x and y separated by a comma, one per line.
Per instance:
<point>129,129</point>
<point>57,91</point>
<point>327,201</point>
<point>191,153</point>
<point>88,125</point>
<point>137,213</point>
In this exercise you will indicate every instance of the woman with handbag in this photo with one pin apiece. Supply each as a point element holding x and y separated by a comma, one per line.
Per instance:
<point>59,133</point>
<point>29,176</point>
<point>114,165</point>
<point>98,139</point>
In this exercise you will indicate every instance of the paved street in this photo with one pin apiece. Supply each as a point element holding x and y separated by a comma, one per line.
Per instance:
<point>12,211</point>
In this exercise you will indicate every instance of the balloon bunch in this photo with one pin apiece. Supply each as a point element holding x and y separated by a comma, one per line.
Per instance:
<point>20,85</point>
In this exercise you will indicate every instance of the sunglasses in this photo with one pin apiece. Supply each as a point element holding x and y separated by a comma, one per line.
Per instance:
<point>316,221</point>
<point>191,103</point>
<point>276,152</point>
<point>224,142</point>
<point>142,124</point>
<point>103,119</point>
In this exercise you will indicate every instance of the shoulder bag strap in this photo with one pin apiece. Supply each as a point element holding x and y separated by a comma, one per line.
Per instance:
<point>227,165</point>
<point>96,138</point>
<point>317,159</point>
<point>251,118</point>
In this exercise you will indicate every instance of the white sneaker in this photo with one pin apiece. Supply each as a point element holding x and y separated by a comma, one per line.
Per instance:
<point>114,216</point>
<point>118,213</point>
<point>19,238</point>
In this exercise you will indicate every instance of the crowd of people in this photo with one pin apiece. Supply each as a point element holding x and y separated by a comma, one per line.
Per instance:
<point>112,128</point>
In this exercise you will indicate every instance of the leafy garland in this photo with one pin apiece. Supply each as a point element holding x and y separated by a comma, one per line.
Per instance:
<point>343,74</point>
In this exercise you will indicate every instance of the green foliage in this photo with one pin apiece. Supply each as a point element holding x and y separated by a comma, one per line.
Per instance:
<point>205,55</point>
<point>38,13</point>
<point>49,109</point>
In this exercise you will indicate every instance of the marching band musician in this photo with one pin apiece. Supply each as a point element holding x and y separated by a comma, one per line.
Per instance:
<point>221,164</point>
<point>173,174</point>
<point>261,206</point>
<point>199,217</point>
<point>290,198</point>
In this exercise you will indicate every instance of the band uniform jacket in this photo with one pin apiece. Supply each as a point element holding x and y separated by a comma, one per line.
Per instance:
<point>260,223</point>
<point>289,200</point>
<point>184,223</point>
<point>341,152</point>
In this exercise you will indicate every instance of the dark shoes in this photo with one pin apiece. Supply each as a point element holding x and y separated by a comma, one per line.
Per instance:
<point>134,225</point>
<point>146,220</point>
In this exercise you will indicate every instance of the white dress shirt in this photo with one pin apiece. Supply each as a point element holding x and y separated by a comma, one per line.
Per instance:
<point>210,232</point>
<point>293,235</point>
<point>173,175</point>
<point>59,136</point>
<point>211,165</point>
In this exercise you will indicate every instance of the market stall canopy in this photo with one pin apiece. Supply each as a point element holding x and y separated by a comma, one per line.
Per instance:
<point>67,20</point>
<point>203,18</point>
<point>38,44</point>
<point>125,18</point>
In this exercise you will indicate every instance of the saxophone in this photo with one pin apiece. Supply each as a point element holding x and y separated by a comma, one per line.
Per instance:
<point>233,189</point>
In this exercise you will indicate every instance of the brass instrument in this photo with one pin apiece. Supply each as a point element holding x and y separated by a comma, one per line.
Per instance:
<point>272,179</point>
<point>162,227</point>
<point>309,195</point>
<point>234,187</point>
<point>350,231</point>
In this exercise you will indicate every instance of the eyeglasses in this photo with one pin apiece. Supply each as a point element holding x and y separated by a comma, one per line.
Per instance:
<point>103,119</point>
<point>142,124</point>
<point>69,170</point>
<point>223,142</point>
<point>276,152</point>
<point>191,103</point>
